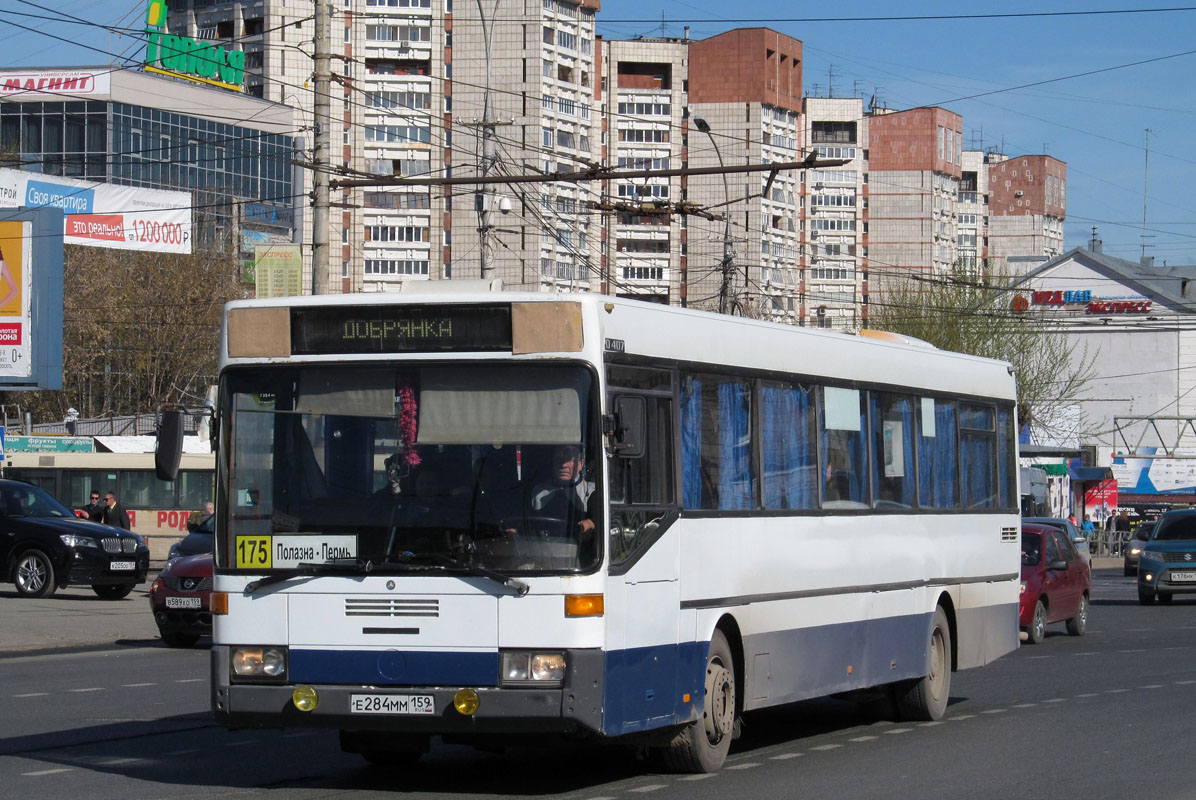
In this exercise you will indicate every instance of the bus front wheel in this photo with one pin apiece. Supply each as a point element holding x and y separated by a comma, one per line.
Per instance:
<point>702,746</point>
<point>926,698</point>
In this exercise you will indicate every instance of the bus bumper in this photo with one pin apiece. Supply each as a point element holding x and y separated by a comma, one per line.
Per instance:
<point>572,708</point>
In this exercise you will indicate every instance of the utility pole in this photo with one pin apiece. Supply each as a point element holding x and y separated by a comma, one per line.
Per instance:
<point>485,198</point>
<point>322,110</point>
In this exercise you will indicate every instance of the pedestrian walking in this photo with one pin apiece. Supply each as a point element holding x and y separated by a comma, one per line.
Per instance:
<point>114,513</point>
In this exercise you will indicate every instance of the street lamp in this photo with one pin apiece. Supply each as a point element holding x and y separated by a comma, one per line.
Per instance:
<point>725,301</point>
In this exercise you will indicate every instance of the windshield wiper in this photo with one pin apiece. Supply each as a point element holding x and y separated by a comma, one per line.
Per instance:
<point>450,564</point>
<point>333,566</point>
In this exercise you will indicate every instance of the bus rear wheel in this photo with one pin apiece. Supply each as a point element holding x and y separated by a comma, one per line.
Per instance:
<point>702,745</point>
<point>926,698</point>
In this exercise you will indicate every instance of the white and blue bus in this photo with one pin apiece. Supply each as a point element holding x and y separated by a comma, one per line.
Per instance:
<point>475,516</point>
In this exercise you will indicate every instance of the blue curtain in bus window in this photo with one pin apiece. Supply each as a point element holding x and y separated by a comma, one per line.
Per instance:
<point>790,475</point>
<point>691,441</point>
<point>735,446</point>
<point>976,457</point>
<point>893,449</point>
<point>844,447</point>
<point>1005,478</point>
<point>937,458</point>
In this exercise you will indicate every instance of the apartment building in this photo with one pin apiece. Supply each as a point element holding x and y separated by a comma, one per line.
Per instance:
<point>835,219</point>
<point>915,161</point>
<point>745,88</point>
<point>645,127</point>
<point>1027,202</point>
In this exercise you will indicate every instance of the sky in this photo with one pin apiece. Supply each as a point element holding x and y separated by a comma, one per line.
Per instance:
<point>1095,122</point>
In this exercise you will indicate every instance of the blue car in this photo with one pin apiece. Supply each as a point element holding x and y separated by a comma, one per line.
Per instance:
<point>1167,566</point>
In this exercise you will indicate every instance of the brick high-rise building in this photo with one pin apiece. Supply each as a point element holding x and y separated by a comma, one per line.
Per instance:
<point>1027,203</point>
<point>915,161</point>
<point>745,85</point>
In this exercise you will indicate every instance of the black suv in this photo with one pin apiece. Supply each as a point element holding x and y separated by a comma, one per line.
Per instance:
<point>43,546</point>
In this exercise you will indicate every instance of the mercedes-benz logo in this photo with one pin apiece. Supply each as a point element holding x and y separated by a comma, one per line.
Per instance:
<point>390,585</point>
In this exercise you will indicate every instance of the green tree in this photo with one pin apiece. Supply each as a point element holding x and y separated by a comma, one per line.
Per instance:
<point>971,311</point>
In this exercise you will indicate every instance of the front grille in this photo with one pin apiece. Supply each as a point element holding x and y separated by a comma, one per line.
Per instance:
<point>114,544</point>
<point>391,607</point>
<point>1182,558</point>
<point>187,583</point>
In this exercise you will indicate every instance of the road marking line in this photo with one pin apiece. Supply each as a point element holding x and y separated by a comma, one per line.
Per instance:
<point>931,724</point>
<point>700,777</point>
<point>1088,694</point>
<point>137,685</point>
<point>116,761</point>
<point>182,752</point>
<point>649,788</point>
<point>864,739</point>
<point>963,716</point>
<point>899,730</point>
<point>1039,658</point>
<point>190,680</point>
<point>995,711</point>
<point>785,756</point>
<point>47,772</point>
<point>748,765</point>
<point>89,689</point>
<point>1025,705</point>
<point>32,694</point>
<point>1115,691</point>
<point>1152,686</point>
<point>827,747</point>
<point>1183,683</point>
<point>1056,700</point>
<point>1139,650</point>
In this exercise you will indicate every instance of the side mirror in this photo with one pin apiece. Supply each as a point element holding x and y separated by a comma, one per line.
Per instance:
<point>1059,564</point>
<point>168,451</point>
<point>629,426</point>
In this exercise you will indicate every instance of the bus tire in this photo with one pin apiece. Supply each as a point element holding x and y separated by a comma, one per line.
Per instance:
<point>926,698</point>
<point>33,574</point>
<point>702,745</point>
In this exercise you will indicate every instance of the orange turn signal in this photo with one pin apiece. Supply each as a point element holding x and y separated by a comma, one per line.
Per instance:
<point>583,605</point>
<point>219,603</point>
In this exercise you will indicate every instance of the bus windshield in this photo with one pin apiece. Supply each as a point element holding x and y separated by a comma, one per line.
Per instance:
<point>470,465</point>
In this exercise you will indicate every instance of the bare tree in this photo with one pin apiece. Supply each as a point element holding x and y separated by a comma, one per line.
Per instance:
<point>971,311</point>
<point>139,329</point>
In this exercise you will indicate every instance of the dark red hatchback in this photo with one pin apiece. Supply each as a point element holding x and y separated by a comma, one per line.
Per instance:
<point>1056,583</point>
<point>181,600</point>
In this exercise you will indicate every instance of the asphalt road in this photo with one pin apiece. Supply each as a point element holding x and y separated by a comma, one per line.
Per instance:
<point>1102,716</point>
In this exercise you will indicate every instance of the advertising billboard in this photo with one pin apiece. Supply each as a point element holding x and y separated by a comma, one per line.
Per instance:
<point>31,298</point>
<point>184,57</point>
<point>104,214</point>
<point>55,84</point>
<point>16,274</point>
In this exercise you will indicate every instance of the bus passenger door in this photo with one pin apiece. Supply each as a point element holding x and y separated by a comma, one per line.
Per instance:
<point>642,657</point>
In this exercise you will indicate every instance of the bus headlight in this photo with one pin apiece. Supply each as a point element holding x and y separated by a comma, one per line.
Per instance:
<point>528,668</point>
<point>259,664</point>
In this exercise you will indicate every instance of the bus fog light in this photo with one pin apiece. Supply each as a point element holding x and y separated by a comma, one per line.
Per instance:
<point>305,698</point>
<point>548,667</point>
<point>466,701</point>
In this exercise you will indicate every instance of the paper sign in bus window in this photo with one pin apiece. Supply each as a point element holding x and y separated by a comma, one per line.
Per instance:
<point>894,449</point>
<point>928,417</point>
<point>841,408</point>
